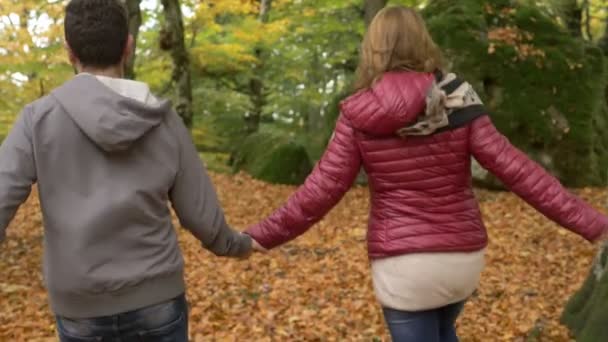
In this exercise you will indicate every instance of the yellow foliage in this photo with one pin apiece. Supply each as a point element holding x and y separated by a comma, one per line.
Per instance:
<point>228,56</point>
<point>309,12</point>
<point>231,45</point>
<point>208,11</point>
<point>32,60</point>
<point>155,71</point>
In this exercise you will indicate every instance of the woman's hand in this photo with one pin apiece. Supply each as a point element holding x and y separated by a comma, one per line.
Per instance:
<point>257,247</point>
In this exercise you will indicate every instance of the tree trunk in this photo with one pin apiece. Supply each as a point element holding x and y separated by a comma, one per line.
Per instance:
<point>586,314</point>
<point>372,7</point>
<point>265,6</point>
<point>173,37</point>
<point>586,6</point>
<point>257,93</point>
<point>572,14</point>
<point>604,40</point>
<point>134,24</point>
<point>311,113</point>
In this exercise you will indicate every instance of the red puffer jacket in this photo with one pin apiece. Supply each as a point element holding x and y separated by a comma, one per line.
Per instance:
<point>421,193</point>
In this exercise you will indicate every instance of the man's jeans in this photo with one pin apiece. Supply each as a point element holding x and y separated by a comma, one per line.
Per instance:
<point>424,326</point>
<point>158,323</point>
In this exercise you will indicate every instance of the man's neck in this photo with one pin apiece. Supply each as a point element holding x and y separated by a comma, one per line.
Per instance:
<point>114,71</point>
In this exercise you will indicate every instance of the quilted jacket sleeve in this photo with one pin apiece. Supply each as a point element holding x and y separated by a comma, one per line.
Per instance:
<point>532,183</point>
<point>325,186</point>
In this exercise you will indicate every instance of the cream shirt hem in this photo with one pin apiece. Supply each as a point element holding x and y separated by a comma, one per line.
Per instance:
<point>425,281</point>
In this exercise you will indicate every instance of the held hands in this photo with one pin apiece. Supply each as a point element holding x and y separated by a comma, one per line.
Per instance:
<point>256,247</point>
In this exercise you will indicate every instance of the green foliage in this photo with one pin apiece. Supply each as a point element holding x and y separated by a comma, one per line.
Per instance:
<point>272,157</point>
<point>219,115</point>
<point>305,56</point>
<point>216,162</point>
<point>308,67</point>
<point>543,87</point>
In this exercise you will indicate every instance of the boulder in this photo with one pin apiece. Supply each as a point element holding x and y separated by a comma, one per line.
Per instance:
<point>272,157</point>
<point>586,313</point>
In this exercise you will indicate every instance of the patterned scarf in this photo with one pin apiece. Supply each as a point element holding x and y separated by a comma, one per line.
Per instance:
<point>450,103</point>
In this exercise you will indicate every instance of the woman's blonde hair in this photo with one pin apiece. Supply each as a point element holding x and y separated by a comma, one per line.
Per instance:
<point>397,39</point>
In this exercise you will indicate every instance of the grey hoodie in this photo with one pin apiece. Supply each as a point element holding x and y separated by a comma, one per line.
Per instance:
<point>107,166</point>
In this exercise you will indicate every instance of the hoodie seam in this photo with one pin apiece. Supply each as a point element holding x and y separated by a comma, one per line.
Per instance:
<point>170,121</point>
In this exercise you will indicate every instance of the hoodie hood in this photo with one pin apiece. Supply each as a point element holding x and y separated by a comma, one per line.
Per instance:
<point>111,118</point>
<point>389,105</point>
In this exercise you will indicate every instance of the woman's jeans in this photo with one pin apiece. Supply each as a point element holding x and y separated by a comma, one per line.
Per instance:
<point>425,326</point>
<point>163,322</point>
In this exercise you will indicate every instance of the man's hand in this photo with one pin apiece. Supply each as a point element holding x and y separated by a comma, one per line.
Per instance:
<point>257,247</point>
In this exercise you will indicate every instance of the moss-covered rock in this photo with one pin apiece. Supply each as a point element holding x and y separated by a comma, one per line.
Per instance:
<point>586,313</point>
<point>273,157</point>
<point>544,89</point>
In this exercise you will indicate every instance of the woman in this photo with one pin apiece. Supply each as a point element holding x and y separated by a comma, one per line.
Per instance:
<point>426,239</point>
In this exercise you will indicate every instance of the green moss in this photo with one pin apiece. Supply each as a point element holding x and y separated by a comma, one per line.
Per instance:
<point>586,313</point>
<point>216,162</point>
<point>274,158</point>
<point>530,98</point>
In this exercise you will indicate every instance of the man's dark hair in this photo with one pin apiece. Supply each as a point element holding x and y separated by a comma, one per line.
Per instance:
<point>97,31</point>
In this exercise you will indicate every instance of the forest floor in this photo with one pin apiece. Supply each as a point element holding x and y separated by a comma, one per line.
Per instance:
<point>318,288</point>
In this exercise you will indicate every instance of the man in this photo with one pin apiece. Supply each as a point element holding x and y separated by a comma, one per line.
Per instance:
<point>107,157</point>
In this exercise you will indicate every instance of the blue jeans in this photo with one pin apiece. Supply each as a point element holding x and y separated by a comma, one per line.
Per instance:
<point>429,326</point>
<point>165,322</point>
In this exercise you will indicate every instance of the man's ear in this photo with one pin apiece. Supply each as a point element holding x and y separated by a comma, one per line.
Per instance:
<point>72,57</point>
<point>129,48</point>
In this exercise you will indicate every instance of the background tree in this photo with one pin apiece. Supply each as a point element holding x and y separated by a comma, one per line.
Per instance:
<point>572,13</point>
<point>371,8</point>
<point>135,20</point>
<point>251,69</point>
<point>32,57</point>
<point>603,42</point>
<point>256,83</point>
<point>172,39</point>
